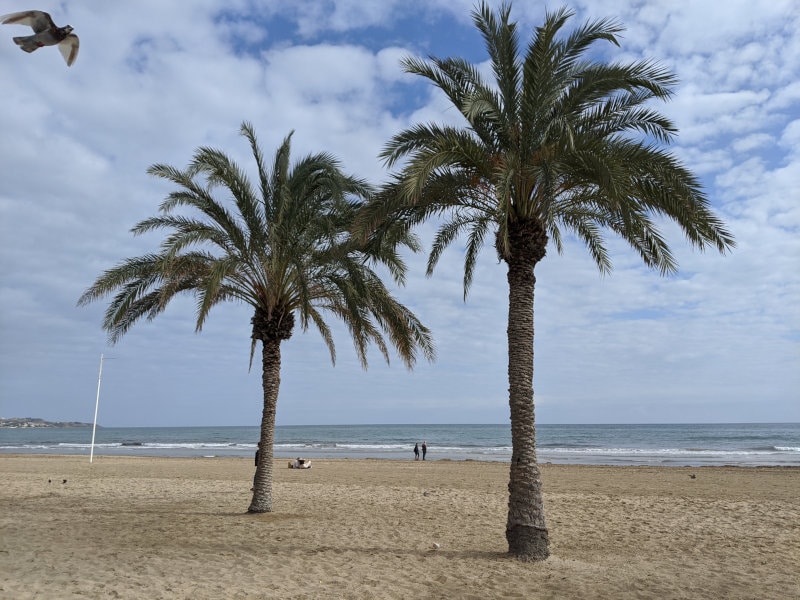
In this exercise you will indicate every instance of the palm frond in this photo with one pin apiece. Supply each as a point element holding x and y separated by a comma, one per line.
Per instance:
<point>285,247</point>
<point>557,139</point>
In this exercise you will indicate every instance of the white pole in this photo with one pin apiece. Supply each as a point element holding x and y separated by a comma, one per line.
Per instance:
<point>96,405</point>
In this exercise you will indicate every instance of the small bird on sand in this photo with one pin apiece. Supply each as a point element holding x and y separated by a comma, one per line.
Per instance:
<point>45,33</point>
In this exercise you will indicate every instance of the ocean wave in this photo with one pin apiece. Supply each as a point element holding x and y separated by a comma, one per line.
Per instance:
<point>617,445</point>
<point>400,447</point>
<point>153,445</point>
<point>405,447</point>
<point>342,446</point>
<point>195,445</point>
<point>25,447</point>
<point>658,451</point>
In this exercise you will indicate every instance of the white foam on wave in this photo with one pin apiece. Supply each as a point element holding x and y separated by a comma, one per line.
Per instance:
<point>658,451</point>
<point>150,445</point>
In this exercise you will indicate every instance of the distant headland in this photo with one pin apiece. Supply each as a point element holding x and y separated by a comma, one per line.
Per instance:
<point>16,423</point>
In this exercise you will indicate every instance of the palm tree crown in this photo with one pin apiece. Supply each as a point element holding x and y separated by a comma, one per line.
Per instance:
<point>554,144</point>
<point>285,250</point>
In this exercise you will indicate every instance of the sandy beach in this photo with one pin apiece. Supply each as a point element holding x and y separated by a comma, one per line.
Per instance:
<point>177,528</point>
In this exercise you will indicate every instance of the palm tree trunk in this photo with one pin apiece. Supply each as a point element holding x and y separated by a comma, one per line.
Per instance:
<point>526,531</point>
<point>271,381</point>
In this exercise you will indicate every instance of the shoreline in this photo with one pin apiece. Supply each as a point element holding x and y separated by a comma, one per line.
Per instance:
<point>283,456</point>
<point>130,451</point>
<point>134,527</point>
<point>649,445</point>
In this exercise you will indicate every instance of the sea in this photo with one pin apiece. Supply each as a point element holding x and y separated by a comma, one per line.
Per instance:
<point>740,444</point>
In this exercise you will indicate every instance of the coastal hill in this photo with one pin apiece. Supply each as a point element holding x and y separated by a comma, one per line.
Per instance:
<point>16,423</point>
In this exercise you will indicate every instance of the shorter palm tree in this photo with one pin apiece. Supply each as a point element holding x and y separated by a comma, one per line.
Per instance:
<point>285,249</point>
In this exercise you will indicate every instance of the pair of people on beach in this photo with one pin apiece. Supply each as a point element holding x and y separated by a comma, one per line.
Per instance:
<point>424,450</point>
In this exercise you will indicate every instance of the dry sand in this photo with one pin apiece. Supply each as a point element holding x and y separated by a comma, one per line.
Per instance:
<point>177,528</point>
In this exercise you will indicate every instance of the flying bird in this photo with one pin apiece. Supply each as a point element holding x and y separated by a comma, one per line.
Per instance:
<point>45,33</point>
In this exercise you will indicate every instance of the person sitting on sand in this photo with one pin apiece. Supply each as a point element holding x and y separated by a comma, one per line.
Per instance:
<point>300,463</point>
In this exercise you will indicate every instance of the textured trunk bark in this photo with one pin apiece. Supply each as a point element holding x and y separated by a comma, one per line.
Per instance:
<point>526,531</point>
<point>271,381</point>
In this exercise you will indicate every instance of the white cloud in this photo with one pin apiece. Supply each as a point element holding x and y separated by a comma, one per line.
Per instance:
<point>790,138</point>
<point>752,142</point>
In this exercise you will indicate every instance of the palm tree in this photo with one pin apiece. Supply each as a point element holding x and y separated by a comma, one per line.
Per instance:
<point>285,250</point>
<point>554,144</point>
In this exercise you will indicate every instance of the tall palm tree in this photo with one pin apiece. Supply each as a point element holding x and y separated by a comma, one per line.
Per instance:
<point>553,144</point>
<point>285,249</point>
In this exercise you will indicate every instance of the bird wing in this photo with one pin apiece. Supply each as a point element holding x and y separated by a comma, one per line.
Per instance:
<point>36,19</point>
<point>69,48</point>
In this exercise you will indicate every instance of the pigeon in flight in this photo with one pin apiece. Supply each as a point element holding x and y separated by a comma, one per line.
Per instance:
<point>45,33</point>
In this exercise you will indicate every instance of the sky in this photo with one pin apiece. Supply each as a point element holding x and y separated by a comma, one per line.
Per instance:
<point>718,342</point>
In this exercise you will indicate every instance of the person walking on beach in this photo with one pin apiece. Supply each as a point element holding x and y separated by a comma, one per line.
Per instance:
<point>258,455</point>
<point>424,449</point>
<point>416,451</point>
